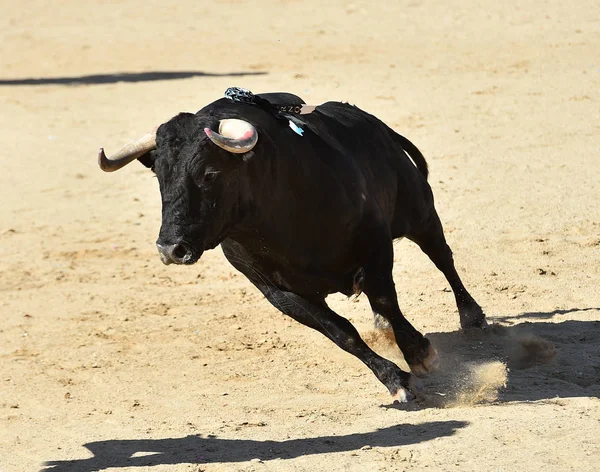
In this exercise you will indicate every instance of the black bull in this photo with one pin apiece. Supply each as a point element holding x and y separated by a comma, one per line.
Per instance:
<point>306,214</point>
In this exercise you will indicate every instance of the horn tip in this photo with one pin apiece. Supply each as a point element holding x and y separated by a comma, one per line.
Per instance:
<point>103,162</point>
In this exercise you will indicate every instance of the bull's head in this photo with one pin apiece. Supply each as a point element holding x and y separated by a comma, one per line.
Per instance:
<point>198,169</point>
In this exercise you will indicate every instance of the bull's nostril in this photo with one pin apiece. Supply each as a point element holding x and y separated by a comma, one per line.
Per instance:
<point>179,251</point>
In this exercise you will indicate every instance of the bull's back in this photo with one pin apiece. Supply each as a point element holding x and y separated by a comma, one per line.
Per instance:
<point>395,183</point>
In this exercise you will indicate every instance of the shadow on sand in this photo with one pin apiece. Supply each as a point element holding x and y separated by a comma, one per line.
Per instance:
<point>206,450</point>
<point>541,315</point>
<point>131,77</point>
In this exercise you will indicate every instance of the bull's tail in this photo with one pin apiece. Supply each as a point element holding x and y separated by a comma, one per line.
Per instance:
<point>414,154</point>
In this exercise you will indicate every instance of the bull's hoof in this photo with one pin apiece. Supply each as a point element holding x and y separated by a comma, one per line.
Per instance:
<point>406,395</point>
<point>429,364</point>
<point>403,395</point>
<point>472,317</point>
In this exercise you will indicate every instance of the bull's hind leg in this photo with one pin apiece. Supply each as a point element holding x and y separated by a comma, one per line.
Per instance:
<point>432,242</point>
<point>314,312</point>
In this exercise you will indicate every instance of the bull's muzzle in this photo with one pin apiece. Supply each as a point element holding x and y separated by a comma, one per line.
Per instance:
<point>178,253</point>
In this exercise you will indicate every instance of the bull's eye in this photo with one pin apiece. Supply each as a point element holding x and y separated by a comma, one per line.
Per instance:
<point>210,175</point>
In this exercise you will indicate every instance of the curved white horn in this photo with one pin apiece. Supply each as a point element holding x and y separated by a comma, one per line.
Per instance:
<point>237,136</point>
<point>128,153</point>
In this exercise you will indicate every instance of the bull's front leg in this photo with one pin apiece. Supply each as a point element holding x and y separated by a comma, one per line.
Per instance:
<point>314,312</point>
<point>379,287</point>
<point>418,352</point>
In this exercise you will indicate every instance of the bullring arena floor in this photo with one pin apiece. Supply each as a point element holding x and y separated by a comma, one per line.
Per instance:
<point>111,361</point>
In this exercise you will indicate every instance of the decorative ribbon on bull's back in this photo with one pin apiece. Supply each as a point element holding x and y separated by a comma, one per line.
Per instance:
<point>281,112</point>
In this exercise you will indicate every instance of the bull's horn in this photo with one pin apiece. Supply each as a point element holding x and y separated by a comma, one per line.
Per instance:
<point>128,153</point>
<point>237,136</point>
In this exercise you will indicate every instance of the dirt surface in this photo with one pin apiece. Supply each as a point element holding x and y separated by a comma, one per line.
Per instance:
<point>111,361</point>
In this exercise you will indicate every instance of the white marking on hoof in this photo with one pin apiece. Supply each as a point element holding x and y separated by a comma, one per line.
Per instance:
<point>403,396</point>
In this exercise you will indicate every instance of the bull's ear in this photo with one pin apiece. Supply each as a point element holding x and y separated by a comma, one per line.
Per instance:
<point>148,159</point>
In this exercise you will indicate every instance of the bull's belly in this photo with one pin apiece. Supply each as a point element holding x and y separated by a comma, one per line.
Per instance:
<point>310,282</point>
<point>302,279</point>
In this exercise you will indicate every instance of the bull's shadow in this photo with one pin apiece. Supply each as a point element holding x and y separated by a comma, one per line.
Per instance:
<point>129,77</point>
<point>205,450</point>
<point>529,361</point>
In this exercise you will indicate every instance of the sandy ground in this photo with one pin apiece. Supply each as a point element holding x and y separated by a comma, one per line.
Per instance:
<point>111,361</point>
